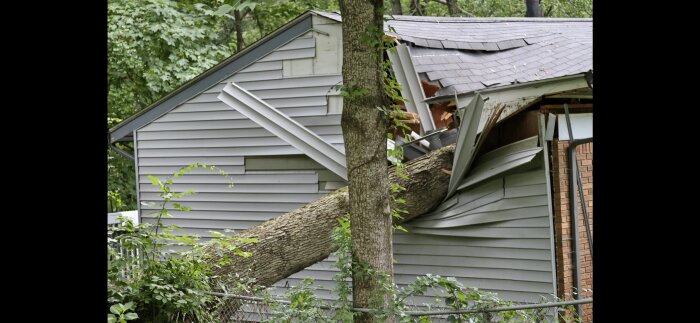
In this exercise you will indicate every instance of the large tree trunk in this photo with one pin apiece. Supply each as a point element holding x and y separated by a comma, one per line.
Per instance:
<point>533,8</point>
<point>396,7</point>
<point>365,133</point>
<point>301,238</point>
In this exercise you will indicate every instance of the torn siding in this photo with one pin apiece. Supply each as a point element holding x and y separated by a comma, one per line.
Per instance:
<point>503,206</point>
<point>206,130</point>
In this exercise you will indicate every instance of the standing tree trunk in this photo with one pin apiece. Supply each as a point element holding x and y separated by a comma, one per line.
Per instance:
<point>364,133</point>
<point>533,8</point>
<point>452,8</point>
<point>417,8</point>
<point>238,24</point>
<point>396,7</point>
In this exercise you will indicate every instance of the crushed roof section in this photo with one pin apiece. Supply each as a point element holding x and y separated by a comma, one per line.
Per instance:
<point>473,55</point>
<point>468,54</point>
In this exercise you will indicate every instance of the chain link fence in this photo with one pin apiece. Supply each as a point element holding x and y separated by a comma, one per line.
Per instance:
<point>238,308</point>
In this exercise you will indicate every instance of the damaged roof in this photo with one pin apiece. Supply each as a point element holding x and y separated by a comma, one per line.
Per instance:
<point>468,54</point>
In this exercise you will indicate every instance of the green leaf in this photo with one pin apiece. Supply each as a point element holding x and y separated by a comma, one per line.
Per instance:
<point>111,318</point>
<point>154,180</point>
<point>131,316</point>
<point>116,309</point>
<point>224,9</point>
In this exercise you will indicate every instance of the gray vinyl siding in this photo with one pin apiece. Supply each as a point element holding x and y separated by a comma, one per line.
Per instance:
<point>493,235</point>
<point>502,246</point>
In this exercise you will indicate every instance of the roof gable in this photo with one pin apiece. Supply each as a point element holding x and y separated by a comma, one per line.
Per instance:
<point>214,75</point>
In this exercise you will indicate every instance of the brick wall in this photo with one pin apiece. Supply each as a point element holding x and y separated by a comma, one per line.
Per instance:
<point>562,222</point>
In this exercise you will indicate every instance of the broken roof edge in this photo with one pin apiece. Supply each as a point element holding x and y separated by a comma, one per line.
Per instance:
<point>486,91</point>
<point>215,74</point>
<point>284,127</point>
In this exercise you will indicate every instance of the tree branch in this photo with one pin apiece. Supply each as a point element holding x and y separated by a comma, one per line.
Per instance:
<point>469,14</point>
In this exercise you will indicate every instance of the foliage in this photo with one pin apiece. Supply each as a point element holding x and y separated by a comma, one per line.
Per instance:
<point>162,284</point>
<point>121,313</point>
<point>304,305</point>
<point>505,8</point>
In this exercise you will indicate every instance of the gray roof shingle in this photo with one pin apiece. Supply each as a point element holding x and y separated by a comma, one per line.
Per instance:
<point>464,54</point>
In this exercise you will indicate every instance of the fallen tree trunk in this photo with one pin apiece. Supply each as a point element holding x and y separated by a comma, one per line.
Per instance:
<point>293,241</point>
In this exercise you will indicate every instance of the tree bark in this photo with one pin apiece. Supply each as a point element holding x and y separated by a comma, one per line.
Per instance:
<point>396,7</point>
<point>298,239</point>
<point>417,8</point>
<point>452,8</point>
<point>533,8</point>
<point>238,25</point>
<point>364,133</point>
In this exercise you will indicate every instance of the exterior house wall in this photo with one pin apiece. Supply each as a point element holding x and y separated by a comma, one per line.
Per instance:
<point>563,226</point>
<point>510,256</point>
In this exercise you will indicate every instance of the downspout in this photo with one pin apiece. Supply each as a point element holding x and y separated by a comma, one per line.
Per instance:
<point>573,166</point>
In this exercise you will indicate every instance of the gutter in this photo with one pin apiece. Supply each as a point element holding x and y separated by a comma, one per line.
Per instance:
<point>117,149</point>
<point>573,185</point>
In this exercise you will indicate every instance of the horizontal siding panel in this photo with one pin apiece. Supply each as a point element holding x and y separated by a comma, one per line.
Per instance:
<point>294,93</point>
<point>328,176</point>
<point>254,76</point>
<point>293,82</point>
<point>301,42</point>
<point>267,178</point>
<point>231,114</point>
<point>200,125</point>
<point>222,215</point>
<point>289,54</point>
<point>474,262</point>
<point>527,178</point>
<point>227,133</point>
<point>297,102</point>
<point>215,225</point>
<point>487,232</point>
<point>331,186</point>
<point>331,120</point>
<point>226,142</point>
<point>169,170</point>
<point>241,197</point>
<point>182,161</point>
<point>281,163</point>
<point>491,273</point>
<point>240,151</point>
<point>199,107</point>
<point>525,191</point>
<point>237,188</point>
<point>262,66</point>
<point>205,97</point>
<point>421,239</point>
<point>235,206</point>
<point>441,250</point>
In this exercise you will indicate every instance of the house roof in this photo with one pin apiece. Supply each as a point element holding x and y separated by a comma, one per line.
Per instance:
<point>468,54</point>
<point>461,54</point>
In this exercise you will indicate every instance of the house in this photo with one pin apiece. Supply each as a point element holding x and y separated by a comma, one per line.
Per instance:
<point>505,87</point>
